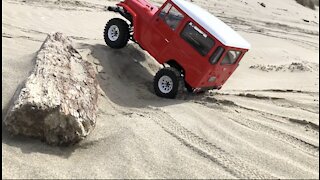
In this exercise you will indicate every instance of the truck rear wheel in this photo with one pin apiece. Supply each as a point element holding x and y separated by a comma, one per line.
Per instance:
<point>116,33</point>
<point>167,82</point>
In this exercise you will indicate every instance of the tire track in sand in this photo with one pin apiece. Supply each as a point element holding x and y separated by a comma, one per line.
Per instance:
<point>287,138</point>
<point>208,150</point>
<point>256,126</point>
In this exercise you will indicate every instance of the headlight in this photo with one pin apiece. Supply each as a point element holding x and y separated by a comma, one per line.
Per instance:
<point>212,79</point>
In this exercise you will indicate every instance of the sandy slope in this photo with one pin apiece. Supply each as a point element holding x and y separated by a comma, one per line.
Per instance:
<point>262,124</point>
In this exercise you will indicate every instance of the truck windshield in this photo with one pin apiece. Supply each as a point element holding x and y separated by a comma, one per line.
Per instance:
<point>198,39</point>
<point>231,57</point>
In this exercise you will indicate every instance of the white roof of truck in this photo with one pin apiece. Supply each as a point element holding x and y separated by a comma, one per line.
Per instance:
<point>213,25</point>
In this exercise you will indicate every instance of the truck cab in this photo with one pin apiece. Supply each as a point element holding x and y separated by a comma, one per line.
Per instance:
<point>194,46</point>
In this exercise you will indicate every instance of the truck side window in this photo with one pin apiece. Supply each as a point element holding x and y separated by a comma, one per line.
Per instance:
<point>173,18</point>
<point>197,38</point>
<point>231,57</point>
<point>216,55</point>
<point>164,11</point>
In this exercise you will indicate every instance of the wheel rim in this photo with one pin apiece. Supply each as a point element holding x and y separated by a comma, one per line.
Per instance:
<point>165,84</point>
<point>113,33</point>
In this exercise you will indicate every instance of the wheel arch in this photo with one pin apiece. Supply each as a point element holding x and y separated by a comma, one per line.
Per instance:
<point>173,63</point>
<point>128,9</point>
<point>132,14</point>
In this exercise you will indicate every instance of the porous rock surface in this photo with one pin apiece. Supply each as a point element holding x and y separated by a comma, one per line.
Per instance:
<point>58,101</point>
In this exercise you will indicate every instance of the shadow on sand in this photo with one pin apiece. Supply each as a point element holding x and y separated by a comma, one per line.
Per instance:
<point>127,76</point>
<point>126,79</point>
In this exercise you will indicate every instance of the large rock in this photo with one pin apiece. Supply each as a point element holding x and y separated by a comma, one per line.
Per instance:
<point>58,101</point>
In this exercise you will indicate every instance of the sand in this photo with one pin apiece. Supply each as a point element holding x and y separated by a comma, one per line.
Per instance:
<point>263,123</point>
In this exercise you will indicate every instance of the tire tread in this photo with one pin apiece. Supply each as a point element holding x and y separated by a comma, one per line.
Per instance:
<point>124,33</point>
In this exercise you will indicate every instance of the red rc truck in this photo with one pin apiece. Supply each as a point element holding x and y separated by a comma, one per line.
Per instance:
<point>195,47</point>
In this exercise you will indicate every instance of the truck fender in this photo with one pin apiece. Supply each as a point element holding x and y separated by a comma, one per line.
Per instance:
<point>126,7</point>
<point>133,14</point>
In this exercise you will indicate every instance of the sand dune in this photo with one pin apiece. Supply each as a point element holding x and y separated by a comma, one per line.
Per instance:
<point>264,123</point>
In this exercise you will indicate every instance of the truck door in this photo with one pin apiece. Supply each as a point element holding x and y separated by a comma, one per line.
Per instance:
<point>161,32</point>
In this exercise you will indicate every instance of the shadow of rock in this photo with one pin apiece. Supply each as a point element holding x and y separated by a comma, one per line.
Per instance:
<point>124,80</point>
<point>126,76</point>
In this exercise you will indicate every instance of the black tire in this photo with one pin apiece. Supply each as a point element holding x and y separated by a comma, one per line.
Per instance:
<point>123,36</point>
<point>176,79</point>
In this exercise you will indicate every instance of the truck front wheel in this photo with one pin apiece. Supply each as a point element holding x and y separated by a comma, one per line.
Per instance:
<point>167,82</point>
<point>116,33</point>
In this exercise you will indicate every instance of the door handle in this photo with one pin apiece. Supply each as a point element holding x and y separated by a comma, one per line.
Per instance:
<point>166,40</point>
